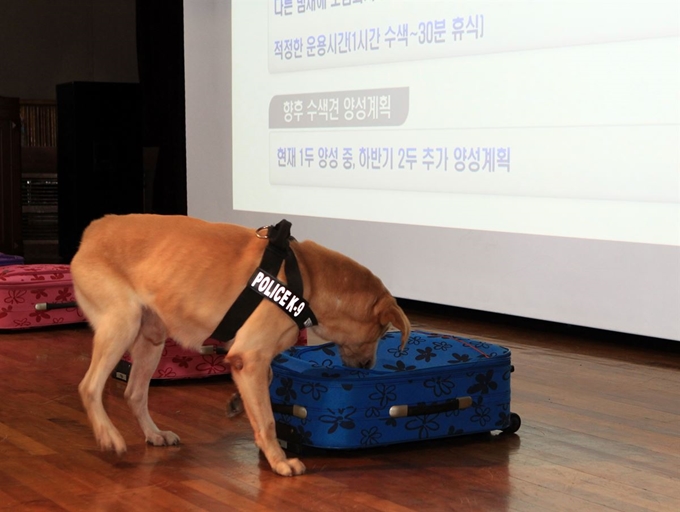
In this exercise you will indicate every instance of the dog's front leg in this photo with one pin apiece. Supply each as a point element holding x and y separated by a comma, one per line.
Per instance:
<point>250,371</point>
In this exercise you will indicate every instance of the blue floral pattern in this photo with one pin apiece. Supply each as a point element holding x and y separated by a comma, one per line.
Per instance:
<point>425,425</point>
<point>341,418</point>
<point>440,386</point>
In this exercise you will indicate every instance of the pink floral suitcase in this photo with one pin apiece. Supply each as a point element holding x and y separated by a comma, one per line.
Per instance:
<point>37,296</point>
<point>180,363</point>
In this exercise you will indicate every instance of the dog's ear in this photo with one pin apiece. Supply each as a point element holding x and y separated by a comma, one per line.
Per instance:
<point>393,314</point>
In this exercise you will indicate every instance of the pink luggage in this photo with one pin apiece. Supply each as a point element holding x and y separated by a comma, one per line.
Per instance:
<point>180,363</point>
<point>37,296</point>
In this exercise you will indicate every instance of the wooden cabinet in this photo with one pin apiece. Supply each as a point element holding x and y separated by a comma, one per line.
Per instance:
<point>10,177</point>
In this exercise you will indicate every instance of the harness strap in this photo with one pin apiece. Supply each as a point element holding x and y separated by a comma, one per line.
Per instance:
<point>277,250</point>
<point>293,273</point>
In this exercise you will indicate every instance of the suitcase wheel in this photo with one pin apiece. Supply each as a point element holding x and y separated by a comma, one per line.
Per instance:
<point>515,423</point>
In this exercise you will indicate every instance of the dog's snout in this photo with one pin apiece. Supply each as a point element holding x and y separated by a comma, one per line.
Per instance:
<point>362,356</point>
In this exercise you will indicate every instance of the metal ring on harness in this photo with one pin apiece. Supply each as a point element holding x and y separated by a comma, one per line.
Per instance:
<point>258,232</point>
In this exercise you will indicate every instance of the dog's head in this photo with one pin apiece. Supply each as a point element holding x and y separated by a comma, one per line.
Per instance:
<point>358,350</point>
<point>358,330</point>
<point>353,307</point>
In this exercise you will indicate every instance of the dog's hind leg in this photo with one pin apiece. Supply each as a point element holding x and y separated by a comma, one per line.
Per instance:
<point>113,335</point>
<point>146,351</point>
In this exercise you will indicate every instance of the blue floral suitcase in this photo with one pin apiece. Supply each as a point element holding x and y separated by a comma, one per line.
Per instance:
<point>439,386</point>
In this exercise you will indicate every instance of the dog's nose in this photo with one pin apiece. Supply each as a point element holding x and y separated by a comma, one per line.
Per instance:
<point>367,364</point>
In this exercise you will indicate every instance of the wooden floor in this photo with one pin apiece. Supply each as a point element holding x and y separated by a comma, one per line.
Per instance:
<point>601,431</point>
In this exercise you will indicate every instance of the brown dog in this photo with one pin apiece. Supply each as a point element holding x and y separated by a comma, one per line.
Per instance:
<point>142,278</point>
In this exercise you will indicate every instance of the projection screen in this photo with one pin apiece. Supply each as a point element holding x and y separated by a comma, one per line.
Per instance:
<point>508,156</point>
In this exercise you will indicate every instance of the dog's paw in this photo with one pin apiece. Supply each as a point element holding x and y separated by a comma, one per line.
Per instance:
<point>163,438</point>
<point>111,441</point>
<point>289,467</point>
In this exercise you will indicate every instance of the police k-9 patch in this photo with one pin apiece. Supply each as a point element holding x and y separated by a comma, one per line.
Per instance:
<point>293,305</point>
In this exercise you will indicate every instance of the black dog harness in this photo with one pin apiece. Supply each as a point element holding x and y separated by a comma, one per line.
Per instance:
<point>264,284</point>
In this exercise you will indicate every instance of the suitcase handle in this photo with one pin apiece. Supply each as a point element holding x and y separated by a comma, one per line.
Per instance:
<point>292,410</point>
<point>46,306</point>
<point>396,411</point>
<point>401,411</point>
<point>212,349</point>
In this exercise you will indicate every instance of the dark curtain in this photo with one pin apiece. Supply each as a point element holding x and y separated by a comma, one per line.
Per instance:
<point>160,57</point>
